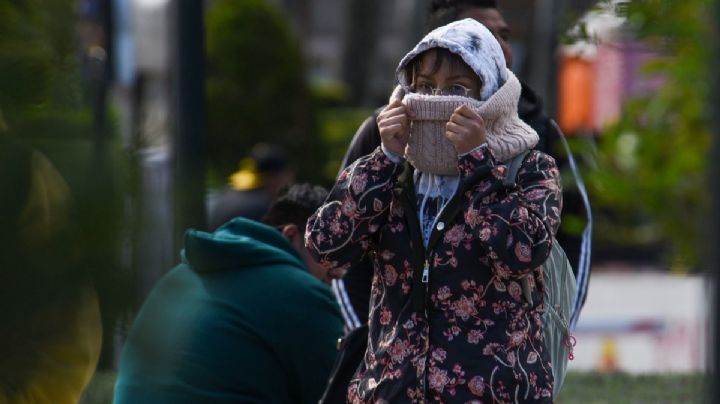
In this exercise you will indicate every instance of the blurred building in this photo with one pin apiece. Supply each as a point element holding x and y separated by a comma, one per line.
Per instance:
<point>597,76</point>
<point>360,42</point>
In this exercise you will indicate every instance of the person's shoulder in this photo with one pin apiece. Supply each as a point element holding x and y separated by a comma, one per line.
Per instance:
<point>540,159</point>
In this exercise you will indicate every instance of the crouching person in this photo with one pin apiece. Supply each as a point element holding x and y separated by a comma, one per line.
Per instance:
<point>241,319</point>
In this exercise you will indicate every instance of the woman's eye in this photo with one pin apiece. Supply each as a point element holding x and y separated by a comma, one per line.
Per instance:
<point>457,89</point>
<point>424,88</point>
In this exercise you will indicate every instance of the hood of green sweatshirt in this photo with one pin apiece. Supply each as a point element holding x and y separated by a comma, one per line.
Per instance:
<point>239,243</point>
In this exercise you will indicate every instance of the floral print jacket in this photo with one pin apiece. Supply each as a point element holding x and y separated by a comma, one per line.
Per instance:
<point>448,322</point>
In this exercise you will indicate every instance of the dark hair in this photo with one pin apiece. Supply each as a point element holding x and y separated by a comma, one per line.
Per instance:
<point>442,55</point>
<point>295,204</point>
<point>443,12</point>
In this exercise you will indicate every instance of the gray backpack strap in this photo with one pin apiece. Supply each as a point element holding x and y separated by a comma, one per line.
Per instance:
<point>513,167</point>
<point>510,180</point>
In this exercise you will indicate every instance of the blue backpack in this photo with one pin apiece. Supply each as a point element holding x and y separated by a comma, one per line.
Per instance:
<point>559,296</point>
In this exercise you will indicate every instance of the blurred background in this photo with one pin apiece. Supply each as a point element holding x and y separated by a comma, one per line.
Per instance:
<point>130,118</point>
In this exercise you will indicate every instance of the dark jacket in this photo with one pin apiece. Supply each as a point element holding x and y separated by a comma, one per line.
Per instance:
<point>239,321</point>
<point>447,322</point>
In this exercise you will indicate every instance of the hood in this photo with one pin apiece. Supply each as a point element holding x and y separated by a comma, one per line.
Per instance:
<point>474,43</point>
<point>239,243</point>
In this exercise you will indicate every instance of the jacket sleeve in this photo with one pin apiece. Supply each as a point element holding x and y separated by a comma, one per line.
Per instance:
<point>515,226</point>
<point>358,206</point>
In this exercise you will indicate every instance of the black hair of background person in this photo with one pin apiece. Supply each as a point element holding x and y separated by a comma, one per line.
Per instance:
<point>294,205</point>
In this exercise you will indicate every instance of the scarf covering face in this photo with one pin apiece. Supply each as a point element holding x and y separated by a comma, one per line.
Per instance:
<point>428,148</point>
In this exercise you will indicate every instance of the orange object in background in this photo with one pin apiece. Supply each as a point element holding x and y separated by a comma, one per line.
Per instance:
<point>576,94</point>
<point>608,357</point>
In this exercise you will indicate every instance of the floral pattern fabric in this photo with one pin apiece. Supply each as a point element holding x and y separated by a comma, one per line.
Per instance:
<point>474,338</point>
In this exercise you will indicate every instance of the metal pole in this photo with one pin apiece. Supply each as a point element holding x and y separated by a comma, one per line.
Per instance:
<point>713,179</point>
<point>189,145</point>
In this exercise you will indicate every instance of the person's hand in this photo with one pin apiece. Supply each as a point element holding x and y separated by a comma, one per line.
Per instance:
<point>465,130</point>
<point>394,124</point>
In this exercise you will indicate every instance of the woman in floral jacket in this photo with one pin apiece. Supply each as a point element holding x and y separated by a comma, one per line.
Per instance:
<point>450,242</point>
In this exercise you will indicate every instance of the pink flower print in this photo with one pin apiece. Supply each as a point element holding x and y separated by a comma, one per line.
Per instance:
<point>399,350</point>
<point>387,255</point>
<point>438,379</point>
<point>517,338</point>
<point>396,210</point>
<point>515,290</point>
<point>390,275</point>
<point>474,336</point>
<point>472,217</point>
<point>477,386</point>
<point>484,186</point>
<point>348,207</point>
<point>464,308</point>
<point>377,205</point>
<point>359,182</point>
<point>535,194</point>
<point>457,369</point>
<point>523,214</point>
<point>485,234</point>
<point>455,235</point>
<point>385,316</point>
<point>335,228</point>
<point>490,348</point>
<point>511,358</point>
<point>522,252</point>
<point>443,293</point>
<point>439,355</point>
<point>532,357</point>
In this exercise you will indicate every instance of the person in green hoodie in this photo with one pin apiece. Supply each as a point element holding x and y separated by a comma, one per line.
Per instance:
<point>241,320</point>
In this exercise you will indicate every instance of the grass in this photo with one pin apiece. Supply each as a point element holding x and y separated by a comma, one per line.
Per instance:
<point>579,388</point>
<point>621,388</point>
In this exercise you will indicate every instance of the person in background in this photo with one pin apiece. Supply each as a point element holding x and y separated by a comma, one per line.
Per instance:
<point>243,319</point>
<point>353,291</point>
<point>252,188</point>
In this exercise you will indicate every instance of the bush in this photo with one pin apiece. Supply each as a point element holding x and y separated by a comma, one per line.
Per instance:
<point>256,88</point>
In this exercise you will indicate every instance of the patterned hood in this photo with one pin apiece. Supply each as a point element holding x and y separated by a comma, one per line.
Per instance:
<point>474,43</point>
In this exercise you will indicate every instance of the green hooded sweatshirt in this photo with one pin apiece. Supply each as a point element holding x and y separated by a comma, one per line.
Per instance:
<point>239,321</point>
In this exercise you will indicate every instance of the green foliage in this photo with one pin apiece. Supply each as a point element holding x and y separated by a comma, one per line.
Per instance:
<point>41,101</point>
<point>617,388</point>
<point>256,87</point>
<point>37,57</point>
<point>337,126</point>
<point>652,162</point>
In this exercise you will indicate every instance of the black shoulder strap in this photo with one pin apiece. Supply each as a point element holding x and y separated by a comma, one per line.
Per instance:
<point>513,166</point>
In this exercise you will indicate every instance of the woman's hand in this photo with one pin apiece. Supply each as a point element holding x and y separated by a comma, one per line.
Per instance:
<point>465,130</point>
<point>394,124</point>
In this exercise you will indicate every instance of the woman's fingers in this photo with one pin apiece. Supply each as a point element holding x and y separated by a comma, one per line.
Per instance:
<point>401,119</point>
<point>466,129</point>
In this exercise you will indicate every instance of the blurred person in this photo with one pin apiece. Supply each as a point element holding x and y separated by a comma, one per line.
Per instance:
<point>449,241</point>
<point>50,328</point>
<point>244,318</point>
<point>252,188</point>
<point>353,290</point>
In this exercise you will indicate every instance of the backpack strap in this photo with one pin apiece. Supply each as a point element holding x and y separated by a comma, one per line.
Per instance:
<point>510,180</point>
<point>513,166</point>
